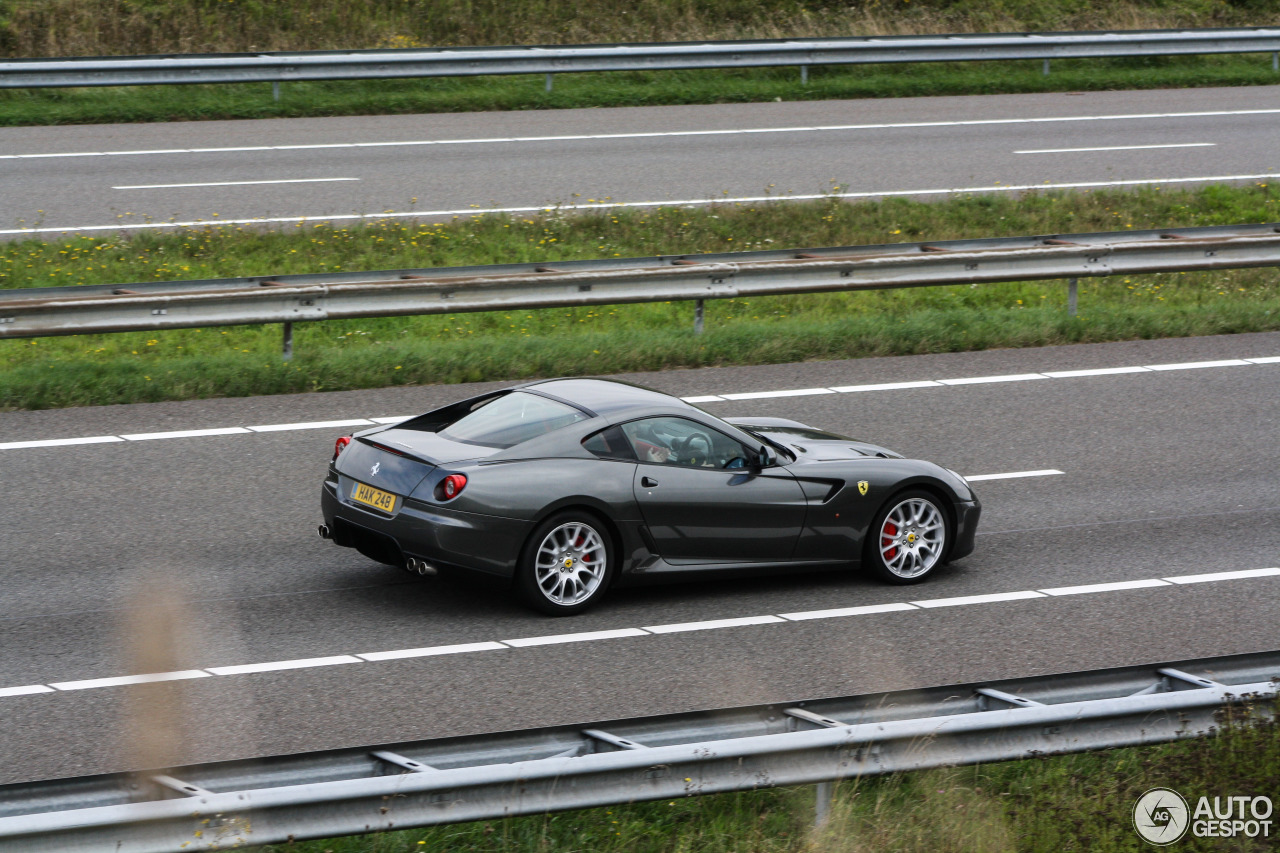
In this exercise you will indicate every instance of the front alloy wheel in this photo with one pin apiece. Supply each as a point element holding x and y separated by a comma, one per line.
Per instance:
<point>908,539</point>
<point>566,565</point>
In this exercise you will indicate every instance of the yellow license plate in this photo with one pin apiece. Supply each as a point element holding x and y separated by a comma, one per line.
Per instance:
<point>375,498</point>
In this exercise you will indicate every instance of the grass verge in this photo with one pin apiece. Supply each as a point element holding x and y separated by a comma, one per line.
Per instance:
<point>1066,803</point>
<point>365,353</point>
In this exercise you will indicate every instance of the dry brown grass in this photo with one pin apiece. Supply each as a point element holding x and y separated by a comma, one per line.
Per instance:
<point>114,27</point>
<point>939,811</point>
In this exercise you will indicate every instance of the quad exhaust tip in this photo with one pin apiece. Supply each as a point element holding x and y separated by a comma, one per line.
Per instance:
<point>420,567</point>
<point>324,531</point>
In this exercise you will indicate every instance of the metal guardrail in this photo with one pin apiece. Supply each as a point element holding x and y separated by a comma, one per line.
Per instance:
<point>554,59</point>
<point>38,312</point>
<point>327,794</point>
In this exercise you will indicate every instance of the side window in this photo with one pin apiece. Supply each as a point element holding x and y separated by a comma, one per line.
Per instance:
<point>679,441</point>
<point>609,444</point>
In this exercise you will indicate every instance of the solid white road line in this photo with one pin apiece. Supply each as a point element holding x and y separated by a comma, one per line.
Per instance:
<point>712,624</point>
<point>118,681</point>
<point>432,651</point>
<point>761,395</point>
<point>311,425</point>
<point>1212,577</point>
<point>1012,475</point>
<point>507,140</point>
<point>705,398</point>
<point>982,380</point>
<point>59,442</point>
<point>623,633</point>
<point>885,386</point>
<point>1118,148</point>
<point>1100,371</point>
<point>963,600</point>
<point>274,666</point>
<point>864,610</point>
<point>27,690</point>
<point>185,433</point>
<point>1199,365</point>
<point>1104,587</point>
<point>584,636</point>
<point>687,202</point>
<point>231,184</point>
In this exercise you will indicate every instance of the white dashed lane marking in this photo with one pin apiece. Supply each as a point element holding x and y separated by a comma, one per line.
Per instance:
<point>513,645</point>
<point>1117,148</point>
<point>230,184</point>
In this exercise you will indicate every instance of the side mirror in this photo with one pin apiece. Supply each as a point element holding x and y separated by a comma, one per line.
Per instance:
<point>765,457</point>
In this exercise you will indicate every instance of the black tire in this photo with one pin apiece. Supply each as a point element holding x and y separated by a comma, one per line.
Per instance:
<point>567,564</point>
<point>908,538</point>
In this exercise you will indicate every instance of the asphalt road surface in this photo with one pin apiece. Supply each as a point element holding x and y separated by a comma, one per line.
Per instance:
<point>102,177</point>
<point>1165,473</point>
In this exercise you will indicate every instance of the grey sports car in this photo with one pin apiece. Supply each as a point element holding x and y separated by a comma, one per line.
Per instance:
<point>567,486</point>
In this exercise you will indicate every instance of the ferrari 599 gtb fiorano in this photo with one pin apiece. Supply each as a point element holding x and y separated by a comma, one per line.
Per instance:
<point>567,486</point>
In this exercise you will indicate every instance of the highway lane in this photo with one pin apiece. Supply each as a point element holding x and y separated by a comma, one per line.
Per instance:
<point>1165,474</point>
<point>280,170</point>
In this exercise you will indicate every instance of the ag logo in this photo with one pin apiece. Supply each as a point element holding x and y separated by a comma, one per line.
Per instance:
<point>863,485</point>
<point>1160,816</point>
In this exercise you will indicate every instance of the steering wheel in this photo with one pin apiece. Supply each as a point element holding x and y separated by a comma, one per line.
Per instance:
<point>691,456</point>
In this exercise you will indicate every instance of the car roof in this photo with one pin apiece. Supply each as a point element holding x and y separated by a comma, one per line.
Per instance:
<point>608,398</point>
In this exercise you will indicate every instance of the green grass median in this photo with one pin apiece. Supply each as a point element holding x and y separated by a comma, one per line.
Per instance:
<point>509,345</point>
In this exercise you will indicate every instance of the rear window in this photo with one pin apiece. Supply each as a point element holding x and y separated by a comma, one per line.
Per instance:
<point>511,419</point>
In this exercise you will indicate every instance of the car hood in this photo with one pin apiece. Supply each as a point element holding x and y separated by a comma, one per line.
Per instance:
<point>832,451</point>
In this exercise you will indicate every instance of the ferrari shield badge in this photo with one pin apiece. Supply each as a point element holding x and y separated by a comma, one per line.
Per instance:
<point>863,485</point>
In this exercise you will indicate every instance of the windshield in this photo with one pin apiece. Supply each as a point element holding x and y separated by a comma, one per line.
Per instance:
<point>509,420</point>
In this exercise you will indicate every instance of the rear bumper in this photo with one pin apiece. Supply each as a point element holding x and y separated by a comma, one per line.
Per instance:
<point>479,543</point>
<point>967,515</point>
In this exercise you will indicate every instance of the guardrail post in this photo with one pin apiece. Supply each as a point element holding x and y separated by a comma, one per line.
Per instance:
<point>548,82</point>
<point>1275,62</point>
<point>824,793</point>
<point>697,316</point>
<point>804,75</point>
<point>1071,296</point>
<point>287,348</point>
<point>275,90</point>
<point>1046,68</point>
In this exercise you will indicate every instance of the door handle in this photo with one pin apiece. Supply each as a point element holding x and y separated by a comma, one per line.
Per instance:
<point>648,482</point>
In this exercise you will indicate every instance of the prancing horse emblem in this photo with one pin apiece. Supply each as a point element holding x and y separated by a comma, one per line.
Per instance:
<point>373,472</point>
<point>863,485</point>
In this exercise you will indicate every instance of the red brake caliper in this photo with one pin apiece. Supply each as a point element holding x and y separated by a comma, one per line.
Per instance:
<point>887,533</point>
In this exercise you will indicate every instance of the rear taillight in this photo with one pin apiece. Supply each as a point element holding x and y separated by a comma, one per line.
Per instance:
<point>450,487</point>
<point>339,446</point>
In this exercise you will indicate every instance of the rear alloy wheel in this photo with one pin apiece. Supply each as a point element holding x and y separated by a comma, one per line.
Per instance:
<point>908,538</point>
<point>567,564</point>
